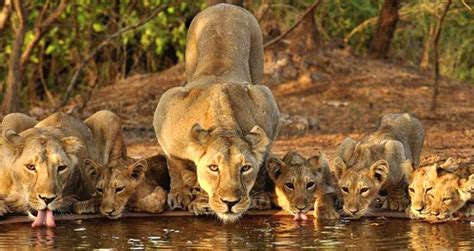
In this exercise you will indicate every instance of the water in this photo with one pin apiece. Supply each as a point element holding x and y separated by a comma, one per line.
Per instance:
<point>252,232</point>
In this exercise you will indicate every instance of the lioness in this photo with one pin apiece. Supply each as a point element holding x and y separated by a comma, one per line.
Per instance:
<point>373,166</point>
<point>300,184</point>
<point>136,185</point>
<point>450,193</point>
<point>220,126</point>
<point>40,169</point>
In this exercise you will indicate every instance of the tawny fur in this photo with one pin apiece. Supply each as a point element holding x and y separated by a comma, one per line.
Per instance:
<point>222,117</point>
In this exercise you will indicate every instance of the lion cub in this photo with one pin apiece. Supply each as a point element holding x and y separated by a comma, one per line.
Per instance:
<point>140,186</point>
<point>373,167</point>
<point>300,183</point>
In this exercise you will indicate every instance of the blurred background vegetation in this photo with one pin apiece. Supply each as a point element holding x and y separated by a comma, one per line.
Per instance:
<point>159,44</point>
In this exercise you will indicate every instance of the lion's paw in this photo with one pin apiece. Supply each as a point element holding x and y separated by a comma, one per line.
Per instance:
<point>396,204</point>
<point>260,201</point>
<point>84,207</point>
<point>179,199</point>
<point>3,208</point>
<point>200,206</point>
<point>326,214</point>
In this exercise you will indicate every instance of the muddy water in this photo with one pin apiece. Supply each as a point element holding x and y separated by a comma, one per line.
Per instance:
<point>252,232</point>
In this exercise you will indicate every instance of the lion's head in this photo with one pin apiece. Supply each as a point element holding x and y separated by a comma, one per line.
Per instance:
<point>227,167</point>
<point>297,180</point>
<point>448,195</point>
<point>42,163</point>
<point>359,187</point>
<point>115,183</point>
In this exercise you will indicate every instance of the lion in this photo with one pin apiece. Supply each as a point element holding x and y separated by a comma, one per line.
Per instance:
<point>41,170</point>
<point>421,181</point>
<point>137,185</point>
<point>217,130</point>
<point>450,193</point>
<point>300,184</point>
<point>372,169</point>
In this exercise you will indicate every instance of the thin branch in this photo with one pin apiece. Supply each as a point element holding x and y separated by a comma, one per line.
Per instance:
<point>106,41</point>
<point>436,55</point>
<point>298,22</point>
<point>5,14</point>
<point>467,5</point>
<point>41,28</point>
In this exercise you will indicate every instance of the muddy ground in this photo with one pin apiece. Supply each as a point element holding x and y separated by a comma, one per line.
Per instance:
<point>323,96</point>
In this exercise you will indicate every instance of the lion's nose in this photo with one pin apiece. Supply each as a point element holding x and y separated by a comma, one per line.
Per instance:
<point>301,207</point>
<point>353,210</point>
<point>230,204</point>
<point>435,213</point>
<point>47,200</point>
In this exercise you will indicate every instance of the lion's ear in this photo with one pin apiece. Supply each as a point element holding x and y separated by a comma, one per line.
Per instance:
<point>339,167</point>
<point>199,134</point>
<point>347,148</point>
<point>408,170</point>
<point>318,163</point>
<point>92,169</point>
<point>71,145</point>
<point>467,188</point>
<point>258,140</point>
<point>137,170</point>
<point>274,167</point>
<point>13,139</point>
<point>294,158</point>
<point>379,171</point>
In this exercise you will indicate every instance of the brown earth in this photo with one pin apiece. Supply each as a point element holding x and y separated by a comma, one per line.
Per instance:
<point>324,97</point>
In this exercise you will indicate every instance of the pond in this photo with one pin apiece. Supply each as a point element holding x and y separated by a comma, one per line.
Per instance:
<point>251,232</point>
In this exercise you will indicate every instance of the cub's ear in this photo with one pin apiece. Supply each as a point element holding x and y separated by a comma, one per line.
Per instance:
<point>199,134</point>
<point>407,169</point>
<point>71,145</point>
<point>294,158</point>
<point>274,167</point>
<point>379,171</point>
<point>258,141</point>
<point>92,169</point>
<point>467,188</point>
<point>347,148</point>
<point>449,165</point>
<point>13,139</point>
<point>339,167</point>
<point>319,163</point>
<point>137,170</point>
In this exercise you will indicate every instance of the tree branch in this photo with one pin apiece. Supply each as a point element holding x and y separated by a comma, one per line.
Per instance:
<point>42,28</point>
<point>106,41</point>
<point>436,55</point>
<point>298,22</point>
<point>5,14</point>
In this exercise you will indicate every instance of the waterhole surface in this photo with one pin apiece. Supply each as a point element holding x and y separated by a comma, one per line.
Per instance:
<point>251,232</point>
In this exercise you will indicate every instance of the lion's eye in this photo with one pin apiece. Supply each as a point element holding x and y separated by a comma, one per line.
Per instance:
<point>310,185</point>
<point>345,189</point>
<point>119,189</point>
<point>428,189</point>
<point>30,167</point>
<point>62,168</point>
<point>289,186</point>
<point>364,190</point>
<point>246,168</point>
<point>213,168</point>
<point>99,190</point>
<point>411,189</point>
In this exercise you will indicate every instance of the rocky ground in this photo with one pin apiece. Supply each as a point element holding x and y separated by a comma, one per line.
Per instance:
<point>323,97</point>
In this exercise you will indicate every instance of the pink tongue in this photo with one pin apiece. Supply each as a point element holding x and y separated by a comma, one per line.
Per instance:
<point>300,216</point>
<point>44,218</point>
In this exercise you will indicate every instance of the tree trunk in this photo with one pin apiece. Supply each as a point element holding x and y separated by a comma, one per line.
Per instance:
<point>11,99</point>
<point>305,37</point>
<point>234,2</point>
<point>425,58</point>
<point>386,26</point>
<point>5,14</point>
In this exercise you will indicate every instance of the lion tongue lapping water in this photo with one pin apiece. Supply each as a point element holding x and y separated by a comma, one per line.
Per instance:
<point>300,216</point>
<point>44,218</point>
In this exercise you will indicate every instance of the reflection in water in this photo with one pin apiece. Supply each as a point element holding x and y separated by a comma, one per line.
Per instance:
<point>250,232</point>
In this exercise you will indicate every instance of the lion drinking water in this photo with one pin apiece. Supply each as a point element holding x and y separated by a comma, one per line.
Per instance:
<point>218,129</point>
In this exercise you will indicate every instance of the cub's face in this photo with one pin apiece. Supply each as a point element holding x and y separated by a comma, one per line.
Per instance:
<point>227,168</point>
<point>448,195</point>
<point>421,182</point>
<point>360,187</point>
<point>297,180</point>
<point>115,182</point>
<point>43,165</point>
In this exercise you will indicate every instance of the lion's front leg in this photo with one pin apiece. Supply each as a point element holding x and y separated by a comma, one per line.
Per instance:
<point>324,207</point>
<point>260,201</point>
<point>180,194</point>
<point>154,203</point>
<point>3,208</point>
<point>87,207</point>
<point>396,200</point>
